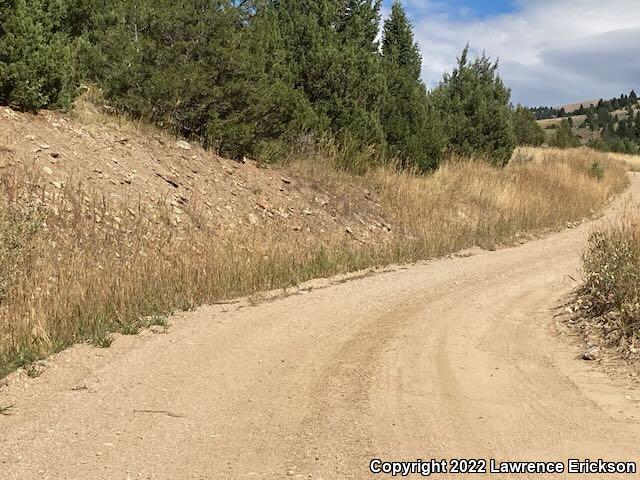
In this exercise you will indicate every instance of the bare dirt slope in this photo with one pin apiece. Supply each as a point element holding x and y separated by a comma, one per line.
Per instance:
<point>145,169</point>
<point>452,358</point>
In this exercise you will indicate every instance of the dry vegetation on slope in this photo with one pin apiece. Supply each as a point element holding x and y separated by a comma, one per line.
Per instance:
<point>105,228</point>
<point>606,307</point>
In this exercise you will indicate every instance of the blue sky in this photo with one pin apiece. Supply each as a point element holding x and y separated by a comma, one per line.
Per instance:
<point>551,51</point>
<point>461,8</point>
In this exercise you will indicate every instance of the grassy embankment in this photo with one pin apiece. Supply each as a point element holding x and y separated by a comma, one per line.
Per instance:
<point>66,277</point>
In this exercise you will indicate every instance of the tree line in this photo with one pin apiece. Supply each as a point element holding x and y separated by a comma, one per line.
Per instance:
<point>625,101</point>
<point>261,77</point>
<point>617,134</point>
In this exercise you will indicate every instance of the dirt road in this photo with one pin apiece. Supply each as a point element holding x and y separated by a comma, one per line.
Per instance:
<point>453,358</point>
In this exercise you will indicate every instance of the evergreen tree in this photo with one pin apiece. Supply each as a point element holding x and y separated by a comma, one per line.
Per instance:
<point>398,46</point>
<point>624,129</point>
<point>331,49</point>
<point>412,129</point>
<point>198,67</point>
<point>475,105</point>
<point>564,137</point>
<point>528,131</point>
<point>592,120</point>
<point>633,98</point>
<point>36,55</point>
<point>604,118</point>
<point>360,23</point>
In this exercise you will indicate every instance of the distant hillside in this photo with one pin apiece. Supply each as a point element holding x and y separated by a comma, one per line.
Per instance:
<point>579,108</point>
<point>572,107</point>
<point>611,125</point>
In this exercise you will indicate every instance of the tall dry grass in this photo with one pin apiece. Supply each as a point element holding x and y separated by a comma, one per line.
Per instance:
<point>468,203</point>
<point>77,274</point>
<point>609,298</point>
<point>631,161</point>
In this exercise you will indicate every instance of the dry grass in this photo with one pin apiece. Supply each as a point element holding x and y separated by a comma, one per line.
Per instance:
<point>608,302</point>
<point>469,203</point>
<point>83,273</point>
<point>632,162</point>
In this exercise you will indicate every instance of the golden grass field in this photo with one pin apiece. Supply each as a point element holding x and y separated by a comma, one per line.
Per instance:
<point>68,277</point>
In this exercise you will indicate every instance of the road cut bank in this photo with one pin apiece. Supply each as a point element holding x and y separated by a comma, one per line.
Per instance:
<point>427,468</point>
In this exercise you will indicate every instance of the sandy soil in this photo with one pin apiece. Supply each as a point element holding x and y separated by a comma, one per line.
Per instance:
<point>453,358</point>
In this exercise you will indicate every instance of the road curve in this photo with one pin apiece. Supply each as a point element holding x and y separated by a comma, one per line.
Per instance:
<point>447,359</point>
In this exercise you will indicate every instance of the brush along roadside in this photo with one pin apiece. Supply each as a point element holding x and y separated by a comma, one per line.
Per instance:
<point>605,309</point>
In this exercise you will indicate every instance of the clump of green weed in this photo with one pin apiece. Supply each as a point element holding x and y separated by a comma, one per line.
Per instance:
<point>156,320</point>
<point>597,170</point>
<point>101,339</point>
<point>130,328</point>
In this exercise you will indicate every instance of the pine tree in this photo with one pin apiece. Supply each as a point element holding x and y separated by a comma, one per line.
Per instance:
<point>475,104</point>
<point>604,118</point>
<point>592,120</point>
<point>633,98</point>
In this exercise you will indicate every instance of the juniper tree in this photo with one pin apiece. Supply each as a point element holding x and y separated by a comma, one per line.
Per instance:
<point>527,130</point>
<point>36,55</point>
<point>399,47</point>
<point>331,49</point>
<point>360,23</point>
<point>205,69</point>
<point>412,129</point>
<point>475,105</point>
<point>564,136</point>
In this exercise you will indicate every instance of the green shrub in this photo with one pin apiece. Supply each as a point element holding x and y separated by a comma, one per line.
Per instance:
<point>200,69</point>
<point>597,170</point>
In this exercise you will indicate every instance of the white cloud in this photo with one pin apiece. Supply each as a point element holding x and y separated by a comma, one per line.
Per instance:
<point>551,51</point>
